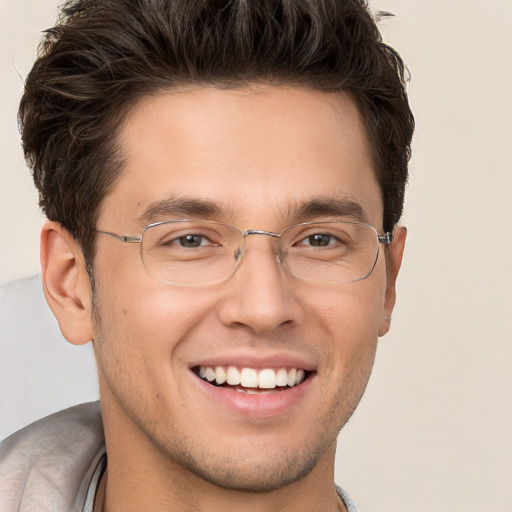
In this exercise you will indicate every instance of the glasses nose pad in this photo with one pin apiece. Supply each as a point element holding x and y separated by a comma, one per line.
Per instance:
<point>238,253</point>
<point>280,252</point>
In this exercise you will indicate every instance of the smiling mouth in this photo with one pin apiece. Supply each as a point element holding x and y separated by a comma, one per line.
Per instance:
<point>251,380</point>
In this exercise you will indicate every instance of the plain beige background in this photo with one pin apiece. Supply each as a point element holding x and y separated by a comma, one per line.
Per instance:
<point>434,430</point>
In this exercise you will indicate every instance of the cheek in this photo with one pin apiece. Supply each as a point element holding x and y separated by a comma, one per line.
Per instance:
<point>140,330</point>
<point>134,303</point>
<point>351,312</point>
<point>350,316</point>
<point>150,315</point>
<point>138,320</point>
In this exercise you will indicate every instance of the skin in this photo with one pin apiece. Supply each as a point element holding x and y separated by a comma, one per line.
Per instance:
<point>256,153</point>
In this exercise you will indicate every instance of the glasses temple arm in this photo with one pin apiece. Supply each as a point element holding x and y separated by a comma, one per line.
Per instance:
<point>386,238</point>
<point>129,239</point>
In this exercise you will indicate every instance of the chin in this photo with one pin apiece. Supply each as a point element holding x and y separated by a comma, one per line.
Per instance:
<point>243,474</point>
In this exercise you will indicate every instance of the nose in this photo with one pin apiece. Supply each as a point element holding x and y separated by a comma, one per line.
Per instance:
<point>260,296</point>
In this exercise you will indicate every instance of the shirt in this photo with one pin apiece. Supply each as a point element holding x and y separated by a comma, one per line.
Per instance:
<point>56,464</point>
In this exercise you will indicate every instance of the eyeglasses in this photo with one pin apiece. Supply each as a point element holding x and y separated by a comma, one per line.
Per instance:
<point>202,252</point>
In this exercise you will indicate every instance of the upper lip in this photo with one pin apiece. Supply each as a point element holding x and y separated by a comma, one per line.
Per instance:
<point>257,361</point>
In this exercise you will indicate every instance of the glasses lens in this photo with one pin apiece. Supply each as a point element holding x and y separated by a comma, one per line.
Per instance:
<point>206,252</point>
<point>190,252</point>
<point>337,252</point>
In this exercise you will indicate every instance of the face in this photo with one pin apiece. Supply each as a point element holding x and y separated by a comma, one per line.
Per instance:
<point>257,155</point>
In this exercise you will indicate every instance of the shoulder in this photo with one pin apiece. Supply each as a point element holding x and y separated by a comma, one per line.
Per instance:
<point>347,500</point>
<point>48,465</point>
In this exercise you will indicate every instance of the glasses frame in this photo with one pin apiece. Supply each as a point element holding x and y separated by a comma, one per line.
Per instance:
<point>385,239</point>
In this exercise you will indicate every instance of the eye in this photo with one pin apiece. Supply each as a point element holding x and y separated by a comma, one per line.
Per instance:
<point>190,241</point>
<point>319,240</point>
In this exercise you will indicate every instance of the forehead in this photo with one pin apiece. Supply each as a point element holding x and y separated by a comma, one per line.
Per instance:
<point>254,155</point>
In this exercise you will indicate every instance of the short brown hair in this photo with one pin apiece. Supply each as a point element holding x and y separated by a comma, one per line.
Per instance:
<point>104,55</point>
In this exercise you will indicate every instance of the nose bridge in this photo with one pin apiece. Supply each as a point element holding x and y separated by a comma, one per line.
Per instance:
<point>249,232</point>
<point>258,295</point>
<point>276,236</point>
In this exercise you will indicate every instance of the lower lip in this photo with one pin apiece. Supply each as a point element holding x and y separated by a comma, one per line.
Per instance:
<point>256,405</point>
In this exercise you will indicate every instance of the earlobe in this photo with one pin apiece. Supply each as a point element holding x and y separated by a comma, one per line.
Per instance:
<point>394,261</point>
<point>66,283</point>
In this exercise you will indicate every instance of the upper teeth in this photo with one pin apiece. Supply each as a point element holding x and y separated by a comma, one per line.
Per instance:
<point>267,378</point>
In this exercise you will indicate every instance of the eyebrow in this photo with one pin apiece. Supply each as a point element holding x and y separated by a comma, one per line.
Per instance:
<point>179,207</point>
<point>313,208</point>
<point>329,207</point>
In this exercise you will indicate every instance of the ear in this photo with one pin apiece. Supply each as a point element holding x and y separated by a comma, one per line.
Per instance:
<point>394,261</point>
<point>66,283</point>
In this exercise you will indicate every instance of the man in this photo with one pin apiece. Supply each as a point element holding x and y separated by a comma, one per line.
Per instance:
<point>223,182</point>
